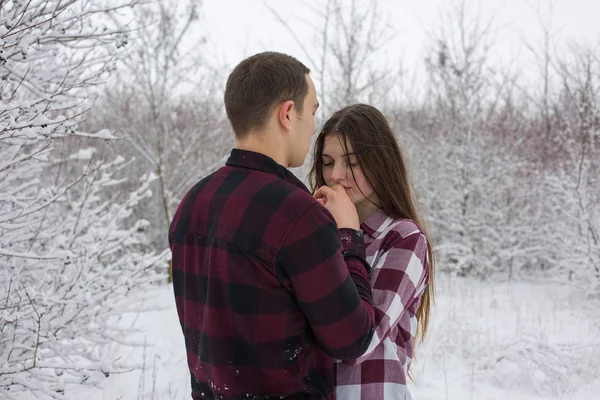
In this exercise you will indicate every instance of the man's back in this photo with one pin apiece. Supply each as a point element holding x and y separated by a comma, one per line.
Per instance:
<point>261,305</point>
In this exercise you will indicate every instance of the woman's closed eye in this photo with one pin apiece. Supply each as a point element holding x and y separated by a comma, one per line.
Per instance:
<point>331,163</point>
<point>351,163</point>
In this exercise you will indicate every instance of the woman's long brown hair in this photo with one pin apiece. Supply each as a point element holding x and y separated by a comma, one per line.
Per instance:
<point>380,158</point>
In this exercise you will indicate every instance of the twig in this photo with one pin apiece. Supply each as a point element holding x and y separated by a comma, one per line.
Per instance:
<point>39,327</point>
<point>11,278</point>
<point>19,21</point>
<point>32,26</point>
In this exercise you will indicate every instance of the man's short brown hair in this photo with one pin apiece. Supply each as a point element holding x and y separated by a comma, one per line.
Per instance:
<point>258,84</point>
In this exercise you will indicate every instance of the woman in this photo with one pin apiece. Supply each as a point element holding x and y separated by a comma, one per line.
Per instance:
<point>358,150</point>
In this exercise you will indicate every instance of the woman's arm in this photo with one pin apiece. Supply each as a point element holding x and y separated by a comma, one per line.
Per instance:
<point>401,274</point>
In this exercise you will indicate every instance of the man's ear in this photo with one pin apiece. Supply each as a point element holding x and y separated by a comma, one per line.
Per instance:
<point>285,114</point>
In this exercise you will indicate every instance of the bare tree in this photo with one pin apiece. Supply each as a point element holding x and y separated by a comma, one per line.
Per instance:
<point>166,105</point>
<point>572,185</point>
<point>350,39</point>
<point>542,94</point>
<point>159,67</point>
<point>476,201</point>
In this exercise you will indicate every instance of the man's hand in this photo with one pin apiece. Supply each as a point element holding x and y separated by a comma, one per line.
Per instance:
<point>336,200</point>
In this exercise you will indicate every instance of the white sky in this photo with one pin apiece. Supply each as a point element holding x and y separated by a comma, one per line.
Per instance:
<point>238,28</point>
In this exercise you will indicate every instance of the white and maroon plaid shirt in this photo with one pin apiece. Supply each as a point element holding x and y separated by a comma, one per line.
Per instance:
<point>397,252</point>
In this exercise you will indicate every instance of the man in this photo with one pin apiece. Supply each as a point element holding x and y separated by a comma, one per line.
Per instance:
<point>268,290</point>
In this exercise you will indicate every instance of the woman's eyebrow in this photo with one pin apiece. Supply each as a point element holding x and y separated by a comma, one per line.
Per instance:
<point>343,155</point>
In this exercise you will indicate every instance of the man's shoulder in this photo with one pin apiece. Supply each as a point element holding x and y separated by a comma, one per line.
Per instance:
<point>293,199</point>
<point>270,191</point>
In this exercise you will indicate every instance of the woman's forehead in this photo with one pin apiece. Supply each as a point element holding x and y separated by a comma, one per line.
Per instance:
<point>334,143</point>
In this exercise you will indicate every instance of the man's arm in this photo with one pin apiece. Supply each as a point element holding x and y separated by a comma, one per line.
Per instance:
<point>330,278</point>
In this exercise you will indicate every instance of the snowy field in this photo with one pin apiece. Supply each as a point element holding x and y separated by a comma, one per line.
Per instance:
<point>487,341</point>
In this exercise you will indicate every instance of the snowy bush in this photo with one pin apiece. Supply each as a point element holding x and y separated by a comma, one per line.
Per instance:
<point>68,259</point>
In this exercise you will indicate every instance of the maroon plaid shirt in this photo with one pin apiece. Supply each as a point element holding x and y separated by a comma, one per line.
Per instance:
<point>267,289</point>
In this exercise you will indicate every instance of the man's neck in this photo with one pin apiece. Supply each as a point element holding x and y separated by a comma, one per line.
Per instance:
<point>264,143</point>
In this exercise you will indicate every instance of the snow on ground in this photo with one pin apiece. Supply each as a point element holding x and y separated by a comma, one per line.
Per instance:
<point>487,341</point>
<point>510,341</point>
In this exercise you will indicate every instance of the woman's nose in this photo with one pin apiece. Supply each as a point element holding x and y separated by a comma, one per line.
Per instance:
<point>338,173</point>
